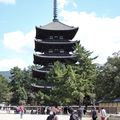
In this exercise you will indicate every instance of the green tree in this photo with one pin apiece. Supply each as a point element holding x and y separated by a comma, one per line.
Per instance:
<point>74,83</point>
<point>57,80</point>
<point>86,75</point>
<point>4,90</point>
<point>17,85</point>
<point>108,79</point>
<point>21,85</point>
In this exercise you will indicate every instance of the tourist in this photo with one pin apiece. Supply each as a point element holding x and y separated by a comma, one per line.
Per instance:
<point>55,116</point>
<point>80,113</point>
<point>103,114</point>
<point>74,115</point>
<point>85,110</point>
<point>52,116</point>
<point>21,110</point>
<point>94,114</point>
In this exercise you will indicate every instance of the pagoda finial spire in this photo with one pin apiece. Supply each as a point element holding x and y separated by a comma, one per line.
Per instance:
<point>55,11</point>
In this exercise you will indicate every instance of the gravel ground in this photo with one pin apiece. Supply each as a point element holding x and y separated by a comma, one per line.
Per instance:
<point>33,117</point>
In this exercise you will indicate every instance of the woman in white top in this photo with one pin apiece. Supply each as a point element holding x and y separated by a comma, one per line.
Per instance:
<point>103,114</point>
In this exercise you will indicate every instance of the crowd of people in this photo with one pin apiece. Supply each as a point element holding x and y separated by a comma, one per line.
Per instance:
<point>74,112</point>
<point>79,113</point>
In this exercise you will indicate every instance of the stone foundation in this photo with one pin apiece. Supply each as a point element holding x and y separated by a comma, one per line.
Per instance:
<point>114,117</point>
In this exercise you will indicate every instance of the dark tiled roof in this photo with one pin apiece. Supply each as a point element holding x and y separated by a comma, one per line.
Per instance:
<point>56,25</point>
<point>116,100</point>
<point>41,70</point>
<point>55,56</point>
<point>41,86</point>
<point>56,42</point>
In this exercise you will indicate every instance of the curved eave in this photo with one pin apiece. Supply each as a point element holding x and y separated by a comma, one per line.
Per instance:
<point>57,25</point>
<point>55,42</point>
<point>56,30</point>
<point>44,33</point>
<point>41,71</point>
<point>55,56</point>
<point>41,87</point>
<point>45,60</point>
<point>37,73</point>
<point>42,46</point>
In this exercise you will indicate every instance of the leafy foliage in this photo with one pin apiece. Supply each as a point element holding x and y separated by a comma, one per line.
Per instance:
<point>86,72</point>
<point>20,85</point>
<point>4,90</point>
<point>74,84</point>
<point>108,79</point>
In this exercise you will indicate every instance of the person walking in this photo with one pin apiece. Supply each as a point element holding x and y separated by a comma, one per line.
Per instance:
<point>94,114</point>
<point>103,114</point>
<point>21,110</point>
<point>52,116</point>
<point>55,116</point>
<point>74,115</point>
<point>80,113</point>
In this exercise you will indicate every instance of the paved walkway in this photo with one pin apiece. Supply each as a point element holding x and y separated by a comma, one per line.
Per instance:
<point>33,117</point>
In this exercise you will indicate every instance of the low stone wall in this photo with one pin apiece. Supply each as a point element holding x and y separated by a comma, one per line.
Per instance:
<point>114,117</point>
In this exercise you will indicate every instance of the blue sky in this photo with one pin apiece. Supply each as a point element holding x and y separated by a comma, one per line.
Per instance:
<point>98,22</point>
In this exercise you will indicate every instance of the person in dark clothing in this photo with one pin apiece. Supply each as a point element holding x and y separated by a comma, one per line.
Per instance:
<point>74,115</point>
<point>65,110</point>
<point>51,116</point>
<point>85,110</point>
<point>94,114</point>
<point>80,112</point>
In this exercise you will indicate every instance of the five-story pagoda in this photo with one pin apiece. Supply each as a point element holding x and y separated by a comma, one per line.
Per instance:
<point>53,42</point>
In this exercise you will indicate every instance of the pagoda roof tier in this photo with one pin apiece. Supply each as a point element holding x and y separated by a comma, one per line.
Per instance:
<point>53,55</point>
<point>41,86</point>
<point>37,73</point>
<point>55,42</point>
<point>42,46</point>
<point>42,33</point>
<point>50,59</point>
<point>57,26</point>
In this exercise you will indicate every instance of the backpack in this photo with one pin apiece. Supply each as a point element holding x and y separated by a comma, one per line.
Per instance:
<point>50,117</point>
<point>73,117</point>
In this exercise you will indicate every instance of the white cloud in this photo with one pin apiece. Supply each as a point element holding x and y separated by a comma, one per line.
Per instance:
<point>18,42</point>
<point>7,64</point>
<point>63,3</point>
<point>98,34</point>
<point>74,4</point>
<point>8,1</point>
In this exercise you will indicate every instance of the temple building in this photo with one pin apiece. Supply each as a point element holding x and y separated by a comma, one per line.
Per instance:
<point>53,42</point>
